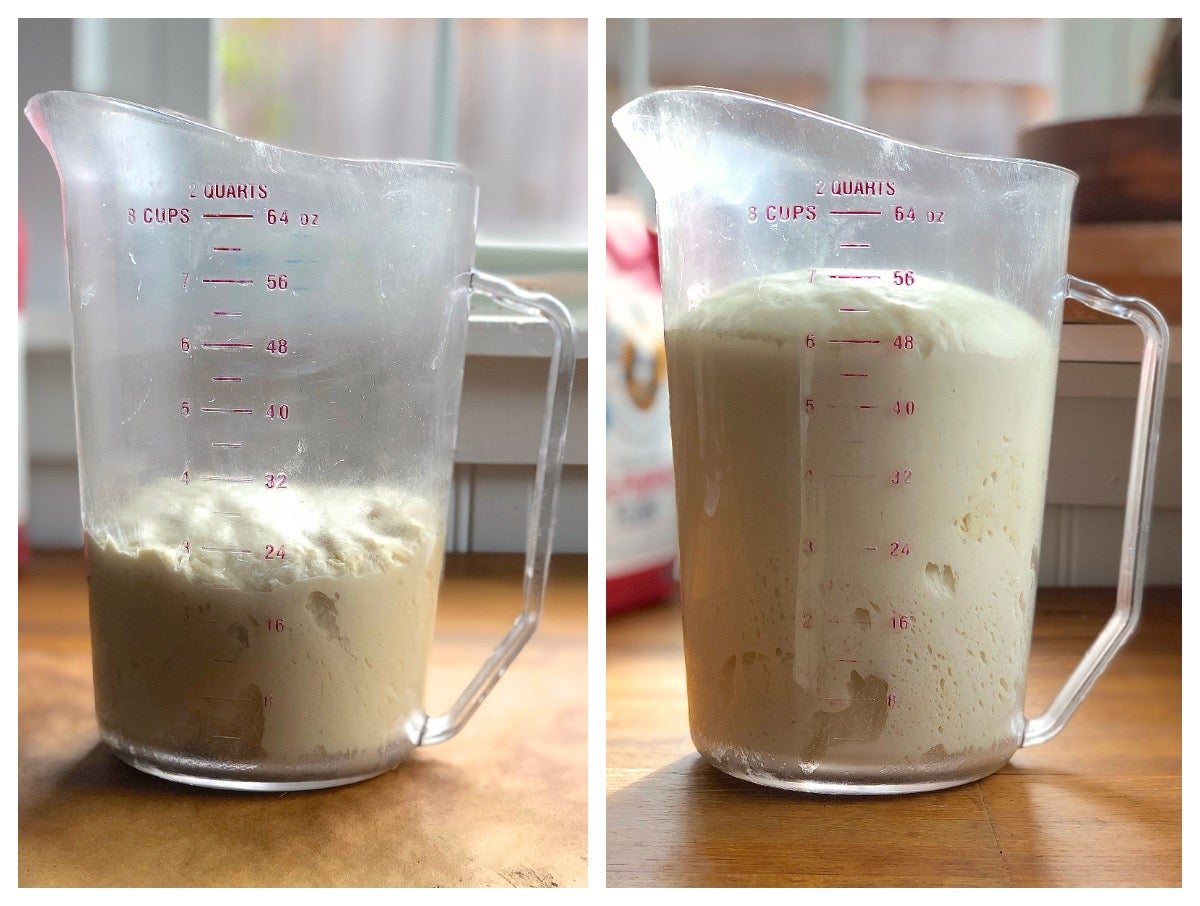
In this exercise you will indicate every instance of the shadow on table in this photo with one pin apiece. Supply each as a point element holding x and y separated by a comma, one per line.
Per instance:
<point>96,821</point>
<point>688,824</point>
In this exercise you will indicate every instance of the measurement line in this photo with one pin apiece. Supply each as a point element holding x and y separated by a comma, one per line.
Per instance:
<point>226,478</point>
<point>219,443</point>
<point>854,277</point>
<point>226,410</point>
<point>856,341</point>
<point>230,515</point>
<point>226,550</point>
<point>854,245</point>
<point>234,738</point>
<point>855,213</point>
<point>227,379</point>
<point>844,374</point>
<point>227,314</point>
<point>864,310</point>
<point>242,345</point>
<point>222,698</point>
<point>847,660</point>
<point>225,248</point>
<point>231,280</point>
<point>228,216</point>
<point>851,476</point>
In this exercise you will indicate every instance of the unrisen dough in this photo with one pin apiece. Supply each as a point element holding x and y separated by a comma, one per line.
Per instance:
<point>217,655</point>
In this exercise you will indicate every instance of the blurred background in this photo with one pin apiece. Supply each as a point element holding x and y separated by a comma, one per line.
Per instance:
<point>1100,96</point>
<point>504,98</point>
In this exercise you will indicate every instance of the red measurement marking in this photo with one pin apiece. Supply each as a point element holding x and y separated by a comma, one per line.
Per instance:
<point>854,277</point>
<point>855,245</point>
<point>229,216</point>
<point>852,213</point>
<point>229,345</point>
<point>225,248</point>
<point>226,409</point>
<point>227,379</point>
<point>855,341</point>
<point>224,280</point>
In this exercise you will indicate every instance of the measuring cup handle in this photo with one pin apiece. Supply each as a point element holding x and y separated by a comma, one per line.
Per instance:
<point>1138,502</point>
<point>542,508</point>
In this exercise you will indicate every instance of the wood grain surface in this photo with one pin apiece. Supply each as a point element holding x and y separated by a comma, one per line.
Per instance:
<point>1129,259</point>
<point>1099,805</point>
<point>504,804</point>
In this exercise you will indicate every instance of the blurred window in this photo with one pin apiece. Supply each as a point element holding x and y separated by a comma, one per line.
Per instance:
<point>966,85</point>
<point>506,98</point>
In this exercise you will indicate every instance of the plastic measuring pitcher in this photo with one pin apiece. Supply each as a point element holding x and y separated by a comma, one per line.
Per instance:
<point>268,356</point>
<point>862,345</point>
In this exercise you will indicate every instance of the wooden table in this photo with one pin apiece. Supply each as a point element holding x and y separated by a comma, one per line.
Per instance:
<point>1099,805</point>
<point>502,804</point>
